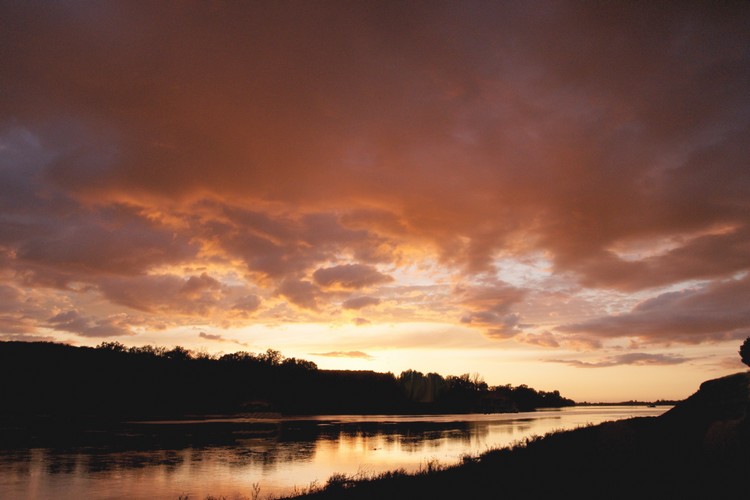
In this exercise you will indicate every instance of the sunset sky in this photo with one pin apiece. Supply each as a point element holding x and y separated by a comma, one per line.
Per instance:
<point>546,193</point>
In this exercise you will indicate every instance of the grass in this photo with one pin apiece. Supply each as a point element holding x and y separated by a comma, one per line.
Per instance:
<point>339,483</point>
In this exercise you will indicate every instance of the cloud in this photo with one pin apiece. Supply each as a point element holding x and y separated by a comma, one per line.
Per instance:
<point>283,245</point>
<point>23,312</point>
<point>361,321</point>
<point>350,276</point>
<point>72,321</point>
<point>692,258</point>
<point>165,293</point>
<point>489,307</point>
<point>23,337</point>
<point>581,342</point>
<point>248,303</point>
<point>429,140</point>
<point>209,336</point>
<point>711,312</point>
<point>299,292</point>
<point>544,339</point>
<point>219,338</point>
<point>117,240</point>
<point>360,302</point>
<point>635,358</point>
<point>343,354</point>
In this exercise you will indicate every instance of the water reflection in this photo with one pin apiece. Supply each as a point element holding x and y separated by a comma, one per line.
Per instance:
<point>227,456</point>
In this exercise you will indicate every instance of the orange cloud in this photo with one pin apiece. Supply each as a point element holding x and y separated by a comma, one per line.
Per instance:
<point>299,292</point>
<point>72,321</point>
<point>489,307</point>
<point>241,164</point>
<point>351,276</point>
<point>634,358</point>
<point>712,312</point>
<point>219,338</point>
<point>192,295</point>
<point>343,354</point>
<point>360,302</point>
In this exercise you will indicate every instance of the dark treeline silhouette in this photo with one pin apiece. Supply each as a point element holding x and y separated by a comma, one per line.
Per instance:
<point>432,392</point>
<point>113,381</point>
<point>631,402</point>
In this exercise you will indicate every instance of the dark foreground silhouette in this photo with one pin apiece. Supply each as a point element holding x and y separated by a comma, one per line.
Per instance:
<point>698,449</point>
<point>112,382</point>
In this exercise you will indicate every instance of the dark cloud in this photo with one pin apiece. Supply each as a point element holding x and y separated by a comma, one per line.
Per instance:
<point>351,276</point>
<point>248,303</point>
<point>299,292</point>
<point>165,293</point>
<point>22,312</point>
<point>277,139</point>
<point>634,358</point>
<point>694,258</point>
<point>278,246</point>
<point>85,244</point>
<point>712,312</point>
<point>360,302</point>
<point>72,321</point>
<point>219,338</point>
<point>342,354</point>
<point>9,297</point>
<point>49,232</point>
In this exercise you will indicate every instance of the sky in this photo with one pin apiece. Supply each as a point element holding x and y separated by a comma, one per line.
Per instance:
<point>546,193</point>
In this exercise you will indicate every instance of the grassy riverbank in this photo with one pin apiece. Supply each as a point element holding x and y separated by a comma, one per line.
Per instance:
<point>699,449</point>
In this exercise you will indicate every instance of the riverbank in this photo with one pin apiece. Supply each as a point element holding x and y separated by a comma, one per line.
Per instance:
<point>698,449</point>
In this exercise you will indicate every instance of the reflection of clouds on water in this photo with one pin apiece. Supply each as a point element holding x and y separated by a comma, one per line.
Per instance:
<point>15,463</point>
<point>286,453</point>
<point>411,438</point>
<point>91,462</point>
<point>264,453</point>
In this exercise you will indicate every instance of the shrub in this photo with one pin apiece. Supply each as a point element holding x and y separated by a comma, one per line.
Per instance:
<point>745,351</point>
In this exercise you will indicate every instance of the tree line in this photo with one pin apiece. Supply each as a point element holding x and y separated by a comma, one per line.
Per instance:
<point>114,381</point>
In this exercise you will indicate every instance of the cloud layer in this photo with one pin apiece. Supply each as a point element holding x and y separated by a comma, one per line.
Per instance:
<point>633,358</point>
<point>166,165</point>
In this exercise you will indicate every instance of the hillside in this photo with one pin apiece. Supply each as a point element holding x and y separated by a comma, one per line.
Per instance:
<point>698,449</point>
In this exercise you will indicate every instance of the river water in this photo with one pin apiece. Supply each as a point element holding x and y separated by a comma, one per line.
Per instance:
<point>272,457</point>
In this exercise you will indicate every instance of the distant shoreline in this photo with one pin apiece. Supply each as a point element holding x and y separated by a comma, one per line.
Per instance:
<point>631,403</point>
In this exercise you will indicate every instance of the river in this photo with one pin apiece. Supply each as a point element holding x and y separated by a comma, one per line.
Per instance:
<point>270,457</point>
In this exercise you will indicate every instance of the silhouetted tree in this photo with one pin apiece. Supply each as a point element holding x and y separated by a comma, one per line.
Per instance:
<point>178,354</point>
<point>112,346</point>
<point>745,351</point>
<point>115,381</point>
<point>271,357</point>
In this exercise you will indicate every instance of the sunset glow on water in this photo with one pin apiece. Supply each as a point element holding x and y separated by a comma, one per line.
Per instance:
<point>339,444</point>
